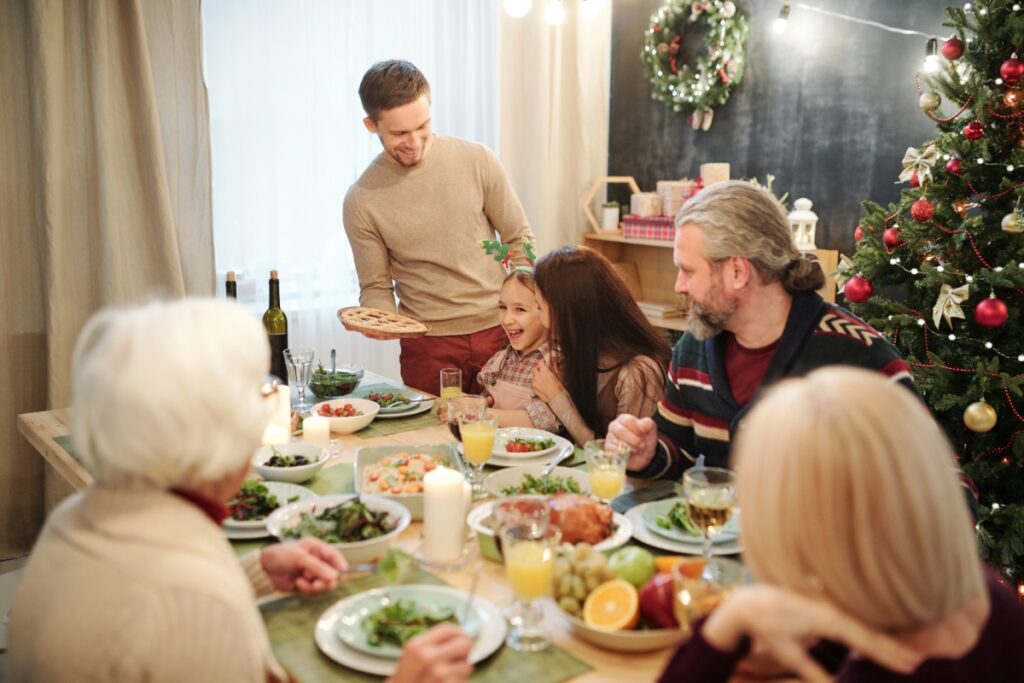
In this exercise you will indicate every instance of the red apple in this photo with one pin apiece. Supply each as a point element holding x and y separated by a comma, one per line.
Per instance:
<point>656,602</point>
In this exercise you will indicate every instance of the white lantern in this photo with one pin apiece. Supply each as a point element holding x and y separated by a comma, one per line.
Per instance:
<point>802,222</point>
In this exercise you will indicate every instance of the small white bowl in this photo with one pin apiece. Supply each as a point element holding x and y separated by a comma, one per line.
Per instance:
<point>295,475</point>
<point>357,552</point>
<point>512,476</point>
<point>349,425</point>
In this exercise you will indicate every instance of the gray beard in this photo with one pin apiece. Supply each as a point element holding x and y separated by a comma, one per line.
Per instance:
<point>704,324</point>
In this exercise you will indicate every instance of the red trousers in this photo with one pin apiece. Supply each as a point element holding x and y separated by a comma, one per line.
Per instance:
<point>423,358</point>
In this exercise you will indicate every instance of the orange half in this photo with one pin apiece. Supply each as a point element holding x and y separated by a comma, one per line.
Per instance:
<point>613,605</point>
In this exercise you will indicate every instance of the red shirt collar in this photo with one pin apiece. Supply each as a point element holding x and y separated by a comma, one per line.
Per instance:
<point>217,512</point>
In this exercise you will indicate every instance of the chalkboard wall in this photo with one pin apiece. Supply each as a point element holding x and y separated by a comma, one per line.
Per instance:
<point>828,108</point>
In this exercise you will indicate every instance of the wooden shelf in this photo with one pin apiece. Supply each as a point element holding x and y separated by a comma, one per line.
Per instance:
<point>678,323</point>
<point>617,237</point>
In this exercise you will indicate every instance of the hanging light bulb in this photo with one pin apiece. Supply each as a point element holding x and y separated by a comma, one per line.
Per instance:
<point>517,9</point>
<point>782,23</point>
<point>931,60</point>
<point>555,12</point>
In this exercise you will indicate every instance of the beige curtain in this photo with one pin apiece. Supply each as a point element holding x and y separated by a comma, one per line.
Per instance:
<point>104,195</point>
<point>555,86</point>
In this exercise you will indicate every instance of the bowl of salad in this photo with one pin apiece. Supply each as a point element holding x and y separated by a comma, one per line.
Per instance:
<point>291,462</point>
<point>361,526</point>
<point>249,508</point>
<point>396,472</point>
<point>347,415</point>
<point>339,382</point>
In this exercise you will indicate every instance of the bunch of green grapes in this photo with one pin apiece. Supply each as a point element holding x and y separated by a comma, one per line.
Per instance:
<point>579,569</point>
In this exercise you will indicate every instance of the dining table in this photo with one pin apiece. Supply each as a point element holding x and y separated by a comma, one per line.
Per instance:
<point>48,432</point>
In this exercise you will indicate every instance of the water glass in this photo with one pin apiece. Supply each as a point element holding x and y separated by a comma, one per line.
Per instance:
<point>606,463</point>
<point>529,552</point>
<point>300,370</point>
<point>451,383</point>
<point>710,494</point>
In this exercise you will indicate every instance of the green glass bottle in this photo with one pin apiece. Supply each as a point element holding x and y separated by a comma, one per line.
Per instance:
<point>230,286</point>
<point>275,322</point>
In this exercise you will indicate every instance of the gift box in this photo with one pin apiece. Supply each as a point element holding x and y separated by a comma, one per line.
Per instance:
<point>649,227</point>
<point>674,194</point>
<point>713,173</point>
<point>645,204</point>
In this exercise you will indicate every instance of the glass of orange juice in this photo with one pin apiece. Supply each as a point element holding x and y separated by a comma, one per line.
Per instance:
<point>606,465</point>
<point>477,433</point>
<point>528,546</point>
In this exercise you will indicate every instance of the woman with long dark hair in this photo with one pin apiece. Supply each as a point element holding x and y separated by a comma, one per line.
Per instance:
<point>612,359</point>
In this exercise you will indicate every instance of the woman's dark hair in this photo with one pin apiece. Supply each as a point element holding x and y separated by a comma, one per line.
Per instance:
<point>592,314</point>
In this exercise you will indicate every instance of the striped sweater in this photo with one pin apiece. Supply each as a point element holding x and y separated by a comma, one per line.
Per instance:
<point>699,414</point>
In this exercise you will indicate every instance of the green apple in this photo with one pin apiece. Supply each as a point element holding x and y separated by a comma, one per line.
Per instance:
<point>633,564</point>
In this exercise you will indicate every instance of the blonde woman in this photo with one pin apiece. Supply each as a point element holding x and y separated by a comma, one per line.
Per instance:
<point>853,526</point>
<point>132,579</point>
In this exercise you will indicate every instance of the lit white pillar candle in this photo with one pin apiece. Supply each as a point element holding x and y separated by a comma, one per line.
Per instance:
<point>446,497</point>
<point>275,435</point>
<point>316,430</point>
<point>283,409</point>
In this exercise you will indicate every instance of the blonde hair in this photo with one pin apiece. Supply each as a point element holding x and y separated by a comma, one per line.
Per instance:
<point>856,497</point>
<point>738,219</point>
<point>168,394</point>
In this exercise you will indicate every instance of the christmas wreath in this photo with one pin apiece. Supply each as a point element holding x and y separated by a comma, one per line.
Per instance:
<point>695,89</point>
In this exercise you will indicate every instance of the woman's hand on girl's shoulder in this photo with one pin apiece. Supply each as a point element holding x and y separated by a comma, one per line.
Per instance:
<point>546,383</point>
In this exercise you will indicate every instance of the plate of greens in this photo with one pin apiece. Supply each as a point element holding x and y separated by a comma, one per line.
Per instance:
<point>395,401</point>
<point>524,443</point>
<point>489,636</point>
<point>256,500</point>
<point>669,518</point>
<point>526,480</point>
<point>380,621</point>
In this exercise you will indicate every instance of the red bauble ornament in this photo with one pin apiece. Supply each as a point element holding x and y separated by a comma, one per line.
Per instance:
<point>891,238</point>
<point>858,289</point>
<point>953,166</point>
<point>914,180</point>
<point>953,48</point>
<point>858,234</point>
<point>991,312</point>
<point>974,130</point>
<point>921,210</point>
<point>1012,70</point>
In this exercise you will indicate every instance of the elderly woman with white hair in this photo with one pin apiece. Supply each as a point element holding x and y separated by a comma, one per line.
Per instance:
<point>132,578</point>
<point>854,528</point>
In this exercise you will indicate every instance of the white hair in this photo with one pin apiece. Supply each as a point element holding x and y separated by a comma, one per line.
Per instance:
<point>168,394</point>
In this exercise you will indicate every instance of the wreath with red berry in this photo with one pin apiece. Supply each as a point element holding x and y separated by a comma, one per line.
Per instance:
<point>700,88</point>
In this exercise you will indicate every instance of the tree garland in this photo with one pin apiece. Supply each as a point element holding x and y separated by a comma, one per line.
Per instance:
<point>681,87</point>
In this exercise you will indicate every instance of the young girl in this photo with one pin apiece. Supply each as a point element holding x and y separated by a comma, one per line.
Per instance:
<point>507,376</point>
<point>613,359</point>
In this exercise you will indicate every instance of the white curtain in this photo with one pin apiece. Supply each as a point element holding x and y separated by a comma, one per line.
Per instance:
<point>555,89</point>
<point>288,139</point>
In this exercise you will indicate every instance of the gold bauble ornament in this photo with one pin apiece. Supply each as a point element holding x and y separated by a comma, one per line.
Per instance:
<point>1013,223</point>
<point>929,102</point>
<point>980,417</point>
<point>961,206</point>
<point>1013,98</point>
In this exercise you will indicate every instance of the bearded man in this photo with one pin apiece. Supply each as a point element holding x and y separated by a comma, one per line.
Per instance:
<point>755,318</point>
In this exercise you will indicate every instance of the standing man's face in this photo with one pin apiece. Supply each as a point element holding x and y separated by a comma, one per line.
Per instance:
<point>404,131</point>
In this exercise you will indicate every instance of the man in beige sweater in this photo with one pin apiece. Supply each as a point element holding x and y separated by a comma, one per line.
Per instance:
<point>414,220</point>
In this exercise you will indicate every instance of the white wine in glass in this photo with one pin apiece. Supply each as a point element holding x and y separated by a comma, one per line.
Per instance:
<point>710,494</point>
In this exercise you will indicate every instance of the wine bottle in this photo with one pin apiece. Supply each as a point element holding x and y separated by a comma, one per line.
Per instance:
<point>275,322</point>
<point>230,286</point>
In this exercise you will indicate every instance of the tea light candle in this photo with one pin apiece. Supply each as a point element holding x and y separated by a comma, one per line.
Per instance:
<point>316,430</point>
<point>275,435</point>
<point>446,496</point>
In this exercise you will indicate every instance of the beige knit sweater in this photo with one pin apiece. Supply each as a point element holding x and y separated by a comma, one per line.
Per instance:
<point>137,585</point>
<point>415,232</point>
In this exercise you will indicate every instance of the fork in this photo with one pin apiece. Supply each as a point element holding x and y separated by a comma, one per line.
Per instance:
<point>565,453</point>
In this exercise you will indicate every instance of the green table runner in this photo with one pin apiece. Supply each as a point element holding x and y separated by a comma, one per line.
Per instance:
<point>291,621</point>
<point>394,425</point>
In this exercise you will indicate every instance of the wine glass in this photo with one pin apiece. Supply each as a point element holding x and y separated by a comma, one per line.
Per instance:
<point>468,405</point>
<point>606,464</point>
<point>300,369</point>
<point>710,494</point>
<point>477,433</point>
<point>528,545</point>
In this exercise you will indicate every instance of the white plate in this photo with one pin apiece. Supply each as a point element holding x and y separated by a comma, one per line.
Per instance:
<point>421,407</point>
<point>246,534</point>
<point>660,508</point>
<point>645,535</point>
<point>492,635</point>
<point>506,434</point>
<point>398,408</point>
<point>623,527</point>
<point>517,460</point>
<point>283,490</point>
<point>513,476</point>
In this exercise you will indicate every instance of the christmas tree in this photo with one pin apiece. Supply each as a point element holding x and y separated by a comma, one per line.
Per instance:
<point>941,271</point>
